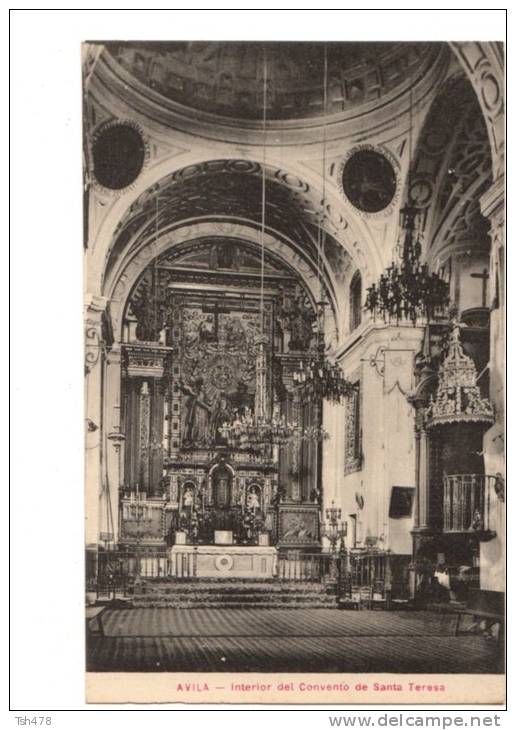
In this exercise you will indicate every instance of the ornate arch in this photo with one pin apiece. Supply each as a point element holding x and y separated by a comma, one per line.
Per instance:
<point>302,187</point>
<point>483,64</point>
<point>122,284</point>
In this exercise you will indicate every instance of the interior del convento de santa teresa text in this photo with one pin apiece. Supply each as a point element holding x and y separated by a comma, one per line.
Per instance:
<point>294,323</point>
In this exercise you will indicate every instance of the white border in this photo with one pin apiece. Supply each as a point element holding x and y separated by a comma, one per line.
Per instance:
<point>46,386</point>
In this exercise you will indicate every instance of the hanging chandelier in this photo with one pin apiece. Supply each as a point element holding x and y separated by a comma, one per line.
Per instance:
<point>248,431</point>
<point>258,429</point>
<point>407,289</point>
<point>317,378</point>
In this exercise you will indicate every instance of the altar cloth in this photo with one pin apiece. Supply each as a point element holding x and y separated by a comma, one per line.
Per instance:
<point>223,561</point>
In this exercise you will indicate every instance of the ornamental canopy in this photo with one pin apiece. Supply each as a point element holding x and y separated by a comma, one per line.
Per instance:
<point>458,398</point>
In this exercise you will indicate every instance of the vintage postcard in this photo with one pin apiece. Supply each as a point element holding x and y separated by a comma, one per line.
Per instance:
<point>294,371</point>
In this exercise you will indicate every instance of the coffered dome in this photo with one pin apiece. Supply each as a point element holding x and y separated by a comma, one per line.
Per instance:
<point>227,78</point>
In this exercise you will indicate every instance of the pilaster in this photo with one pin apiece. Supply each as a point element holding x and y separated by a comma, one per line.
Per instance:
<point>94,356</point>
<point>114,441</point>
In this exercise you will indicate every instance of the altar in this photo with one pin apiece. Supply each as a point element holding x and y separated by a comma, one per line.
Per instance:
<point>223,561</point>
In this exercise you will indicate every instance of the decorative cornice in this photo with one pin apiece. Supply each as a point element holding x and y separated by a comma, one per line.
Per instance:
<point>145,359</point>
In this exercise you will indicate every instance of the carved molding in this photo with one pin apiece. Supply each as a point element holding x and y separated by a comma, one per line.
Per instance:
<point>145,360</point>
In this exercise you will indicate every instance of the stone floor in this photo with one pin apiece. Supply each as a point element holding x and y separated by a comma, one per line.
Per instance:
<point>276,640</point>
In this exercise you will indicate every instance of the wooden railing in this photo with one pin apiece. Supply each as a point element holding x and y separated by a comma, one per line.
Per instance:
<point>469,500</point>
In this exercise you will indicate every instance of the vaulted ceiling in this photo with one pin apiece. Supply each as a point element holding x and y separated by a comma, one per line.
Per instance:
<point>223,190</point>
<point>452,168</point>
<point>226,78</point>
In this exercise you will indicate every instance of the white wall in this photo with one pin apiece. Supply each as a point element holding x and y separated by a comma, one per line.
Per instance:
<point>388,443</point>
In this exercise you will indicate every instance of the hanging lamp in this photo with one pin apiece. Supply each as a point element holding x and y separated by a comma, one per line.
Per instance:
<point>260,429</point>
<point>317,378</point>
<point>407,290</point>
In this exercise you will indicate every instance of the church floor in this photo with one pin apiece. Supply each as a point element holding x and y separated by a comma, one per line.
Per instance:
<point>293,640</point>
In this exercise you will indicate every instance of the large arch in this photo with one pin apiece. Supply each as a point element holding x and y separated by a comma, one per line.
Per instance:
<point>483,64</point>
<point>301,184</point>
<point>135,265</point>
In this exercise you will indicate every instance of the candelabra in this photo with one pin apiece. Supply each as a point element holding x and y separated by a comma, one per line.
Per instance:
<point>334,530</point>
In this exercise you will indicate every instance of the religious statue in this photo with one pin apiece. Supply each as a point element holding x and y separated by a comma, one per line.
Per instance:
<point>253,498</point>
<point>224,255</point>
<point>198,414</point>
<point>235,333</point>
<point>150,306</point>
<point>188,498</point>
<point>300,319</point>
<point>207,331</point>
<point>221,413</point>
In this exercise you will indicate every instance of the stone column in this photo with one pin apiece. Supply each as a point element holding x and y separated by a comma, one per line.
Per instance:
<point>423,486</point>
<point>492,206</point>
<point>492,561</point>
<point>94,358</point>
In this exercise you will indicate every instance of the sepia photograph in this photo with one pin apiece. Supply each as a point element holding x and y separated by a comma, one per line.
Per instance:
<point>294,367</point>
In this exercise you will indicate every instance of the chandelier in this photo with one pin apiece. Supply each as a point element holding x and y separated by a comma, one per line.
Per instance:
<point>407,289</point>
<point>248,431</point>
<point>258,429</point>
<point>317,378</point>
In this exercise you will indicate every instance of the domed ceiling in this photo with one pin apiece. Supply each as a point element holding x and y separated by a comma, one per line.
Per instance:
<point>227,78</point>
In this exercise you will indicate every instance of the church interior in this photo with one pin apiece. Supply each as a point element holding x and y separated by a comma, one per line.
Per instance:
<point>295,343</point>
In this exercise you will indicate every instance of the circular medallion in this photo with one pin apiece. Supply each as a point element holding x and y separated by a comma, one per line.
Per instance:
<point>222,376</point>
<point>224,563</point>
<point>118,155</point>
<point>369,180</point>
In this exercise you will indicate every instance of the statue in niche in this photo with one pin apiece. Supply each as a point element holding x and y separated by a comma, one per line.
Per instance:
<point>208,331</point>
<point>151,308</point>
<point>253,498</point>
<point>224,255</point>
<point>300,318</point>
<point>188,498</point>
<point>235,333</point>
<point>221,413</point>
<point>222,487</point>
<point>198,414</point>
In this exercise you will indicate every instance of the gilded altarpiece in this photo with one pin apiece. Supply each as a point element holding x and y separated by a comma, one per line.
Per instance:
<point>198,372</point>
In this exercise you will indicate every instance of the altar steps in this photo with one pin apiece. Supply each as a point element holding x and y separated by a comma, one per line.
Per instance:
<point>222,594</point>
